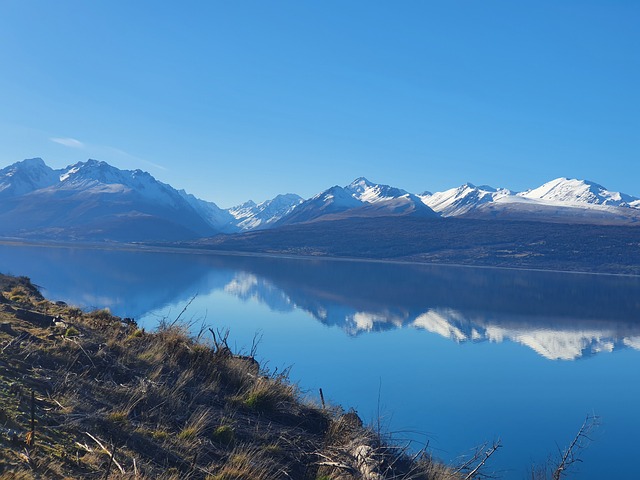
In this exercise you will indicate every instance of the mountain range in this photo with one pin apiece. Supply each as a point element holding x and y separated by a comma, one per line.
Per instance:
<point>94,201</point>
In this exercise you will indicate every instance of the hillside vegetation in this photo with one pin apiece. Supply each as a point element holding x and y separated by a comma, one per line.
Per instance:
<point>91,395</point>
<point>514,244</point>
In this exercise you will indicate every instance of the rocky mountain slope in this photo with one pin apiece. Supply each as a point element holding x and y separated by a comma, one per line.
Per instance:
<point>94,201</point>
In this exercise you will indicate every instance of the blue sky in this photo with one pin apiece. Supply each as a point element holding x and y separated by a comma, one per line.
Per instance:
<point>241,99</point>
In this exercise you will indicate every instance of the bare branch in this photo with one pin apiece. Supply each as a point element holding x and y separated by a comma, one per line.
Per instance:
<point>581,441</point>
<point>487,454</point>
<point>183,310</point>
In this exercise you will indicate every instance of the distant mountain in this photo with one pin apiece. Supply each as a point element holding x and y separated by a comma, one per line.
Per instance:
<point>369,192</point>
<point>461,200</point>
<point>385,200</point>
<point>579,192</point>
<point>361,198</point>
<point>25,177</point>
<point>93,201</point>
<point>559,201</point>
<point>252,216</point>
<point>332,201</point>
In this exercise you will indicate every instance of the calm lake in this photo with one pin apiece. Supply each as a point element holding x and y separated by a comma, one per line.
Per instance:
<point>449,356</point>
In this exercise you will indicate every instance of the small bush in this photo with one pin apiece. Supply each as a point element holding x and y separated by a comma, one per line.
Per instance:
<point>159,434</point>
<point>137,333</point>
<point>223,435</point>
<point>260,401</point>
<point>71,332</point>
<point>188,433</point>
<point>269,395</point>
<point>102,314</point>
<point>118,417</point>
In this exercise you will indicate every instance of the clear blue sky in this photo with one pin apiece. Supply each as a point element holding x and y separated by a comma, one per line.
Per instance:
<point>234,100</point>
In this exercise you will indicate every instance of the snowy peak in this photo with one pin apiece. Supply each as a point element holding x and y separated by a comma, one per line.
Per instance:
<point>332,201</point>
<point>279,206</point>
<point>560,200</point>
<point>361,198</point>
<point>251,216</point>
<point>366,191</point>
<point>461,200</point>
<point>93,200</point>
<point>565,190</point>
<point>382,199</point>
<point>96,177</point>
<point>92,171</point>
<point>26,176</point>
<point>335,196</point>
<point>238,210</point>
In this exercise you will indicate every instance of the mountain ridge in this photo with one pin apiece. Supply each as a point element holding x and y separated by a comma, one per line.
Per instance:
<point>93,200</point>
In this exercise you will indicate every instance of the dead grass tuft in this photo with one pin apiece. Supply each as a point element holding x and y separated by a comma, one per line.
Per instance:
<point>171,405</point>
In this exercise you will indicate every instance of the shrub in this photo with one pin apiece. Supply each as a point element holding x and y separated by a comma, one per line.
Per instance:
<point>118,417</point>
<point>268,395</point>
<point>71,332</point>
<point>223,435</point>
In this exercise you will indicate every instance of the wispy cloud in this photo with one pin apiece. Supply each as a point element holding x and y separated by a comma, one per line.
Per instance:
<point>68,142</point>
<point>105,152</point>
<point>118,151</point>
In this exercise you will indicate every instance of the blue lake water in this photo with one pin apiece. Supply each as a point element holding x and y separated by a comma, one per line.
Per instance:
<point>449,356</point>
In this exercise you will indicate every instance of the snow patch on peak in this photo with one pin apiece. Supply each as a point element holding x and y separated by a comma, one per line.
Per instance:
<point>337,195</point>
<point>242,206</point>
<point>462,199</point>
<point>26,176</point>
<point>360,182</point>
<point>574,191</point>
<point>366,191</point>
<point>251,216</point>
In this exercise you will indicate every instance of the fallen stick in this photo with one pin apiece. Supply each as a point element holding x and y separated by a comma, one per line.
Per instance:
<point>106,450</point>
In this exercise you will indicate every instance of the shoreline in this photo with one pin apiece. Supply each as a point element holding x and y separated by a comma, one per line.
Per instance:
<point>143,248</point>
<point>92,391</point>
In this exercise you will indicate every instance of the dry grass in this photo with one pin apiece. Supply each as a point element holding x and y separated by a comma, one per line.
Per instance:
<point>170,405</point>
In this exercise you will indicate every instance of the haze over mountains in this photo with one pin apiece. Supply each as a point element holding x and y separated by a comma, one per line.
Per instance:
<point>94,201</point>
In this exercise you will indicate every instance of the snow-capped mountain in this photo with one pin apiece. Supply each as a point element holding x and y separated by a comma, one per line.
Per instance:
<point>560,201</point>
<point>95,177</point>
<point>366,191</point>
<point>381,199</point>
<point>333,200</point>
<point>361,198</point>
<point>572,191</point>
<point>26,176</point>
<point>94,201</point>
<point>460,200</point>
<point>252,216</point>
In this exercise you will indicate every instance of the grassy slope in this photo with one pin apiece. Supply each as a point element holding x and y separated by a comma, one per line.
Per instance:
<point>171,406</point>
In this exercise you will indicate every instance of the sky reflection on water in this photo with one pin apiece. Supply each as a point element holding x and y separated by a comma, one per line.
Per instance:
<point>460,355</point>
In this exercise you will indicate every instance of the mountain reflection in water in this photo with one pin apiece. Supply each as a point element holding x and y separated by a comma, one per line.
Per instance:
<point>562,316</point>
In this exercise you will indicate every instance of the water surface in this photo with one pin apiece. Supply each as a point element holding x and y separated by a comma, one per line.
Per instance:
<point>452,356</point>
